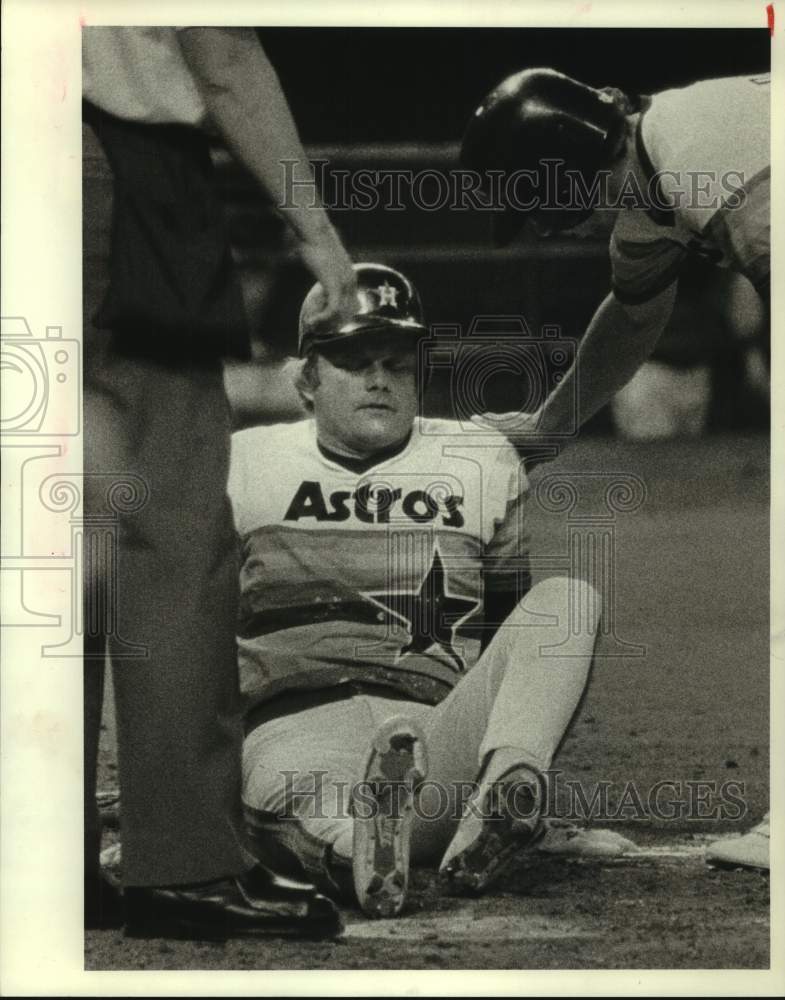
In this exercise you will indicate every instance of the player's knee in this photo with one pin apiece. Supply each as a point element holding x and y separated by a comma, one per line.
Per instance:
<point>569,598</point>
<point>266,780</point>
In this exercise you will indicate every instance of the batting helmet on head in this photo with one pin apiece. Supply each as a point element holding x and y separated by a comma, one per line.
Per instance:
<point>537,115</point>
<point>386,300</point>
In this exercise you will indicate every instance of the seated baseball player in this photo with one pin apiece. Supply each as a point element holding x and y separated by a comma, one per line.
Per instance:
<point>407,687</point>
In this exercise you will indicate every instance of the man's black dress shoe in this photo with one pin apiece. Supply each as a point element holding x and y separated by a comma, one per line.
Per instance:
<point>254,904</point>
<point>103,904</point>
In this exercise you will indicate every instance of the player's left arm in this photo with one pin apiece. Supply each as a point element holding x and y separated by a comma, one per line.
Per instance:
<point>264,391</point>
<point>619,338</point>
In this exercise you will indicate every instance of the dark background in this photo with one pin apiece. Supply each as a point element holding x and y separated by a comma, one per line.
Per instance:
<point>404,84</point>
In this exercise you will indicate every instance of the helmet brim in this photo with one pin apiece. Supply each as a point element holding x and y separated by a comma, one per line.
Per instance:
<point>320,341</point>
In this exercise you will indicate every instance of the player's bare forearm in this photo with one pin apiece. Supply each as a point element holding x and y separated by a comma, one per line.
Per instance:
<point>264,392</point>
<point>617,342</point>
<point>247,105</point>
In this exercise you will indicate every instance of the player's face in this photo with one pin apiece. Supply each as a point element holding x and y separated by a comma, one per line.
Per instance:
<point>366,397</point>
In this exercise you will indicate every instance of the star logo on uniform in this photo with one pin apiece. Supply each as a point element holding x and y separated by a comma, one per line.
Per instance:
<point>388,296</point>
<point>431,615</point>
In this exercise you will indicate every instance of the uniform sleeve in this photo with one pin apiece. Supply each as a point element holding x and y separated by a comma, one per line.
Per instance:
<point>644,262</point>
<point>506,571</point>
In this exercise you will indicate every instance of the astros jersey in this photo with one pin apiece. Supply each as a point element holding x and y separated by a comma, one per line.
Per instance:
<point>376,576</point>
<point>705,149</point>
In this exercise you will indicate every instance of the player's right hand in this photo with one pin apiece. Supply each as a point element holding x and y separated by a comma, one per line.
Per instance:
<point>519,427</point>
<point>327,260</point>
<point>522,430</point>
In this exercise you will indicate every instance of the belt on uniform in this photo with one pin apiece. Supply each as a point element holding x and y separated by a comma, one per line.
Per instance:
<point>291,702</point>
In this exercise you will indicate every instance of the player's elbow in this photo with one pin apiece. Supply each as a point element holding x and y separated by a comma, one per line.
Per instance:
<point>648,316</point>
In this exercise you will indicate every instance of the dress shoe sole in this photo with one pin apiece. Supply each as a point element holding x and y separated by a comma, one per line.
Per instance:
<point>103,904</point>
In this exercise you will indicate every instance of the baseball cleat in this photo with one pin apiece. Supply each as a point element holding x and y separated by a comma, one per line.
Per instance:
<point>749,851</point>
<point>500,820</point>
<point>383,810</point>
<point>103,903</point>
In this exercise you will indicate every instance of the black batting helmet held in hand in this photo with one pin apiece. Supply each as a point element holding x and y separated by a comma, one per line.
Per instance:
<point>386,300</point>
<point>538,115</point>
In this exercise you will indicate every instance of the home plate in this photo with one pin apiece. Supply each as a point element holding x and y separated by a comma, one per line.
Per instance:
<point>683,849</point>
<point>466,924</point>
<point>694,847</point>
<point>686,850</point>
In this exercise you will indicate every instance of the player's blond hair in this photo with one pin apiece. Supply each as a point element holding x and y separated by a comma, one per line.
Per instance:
<point>308,379</point>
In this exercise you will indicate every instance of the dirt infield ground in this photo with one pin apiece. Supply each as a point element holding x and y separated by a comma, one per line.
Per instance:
<point>691,586</point>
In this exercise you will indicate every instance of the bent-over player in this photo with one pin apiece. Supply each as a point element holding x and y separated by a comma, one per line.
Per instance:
<point>687,171</point>
<point>386,608</point>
